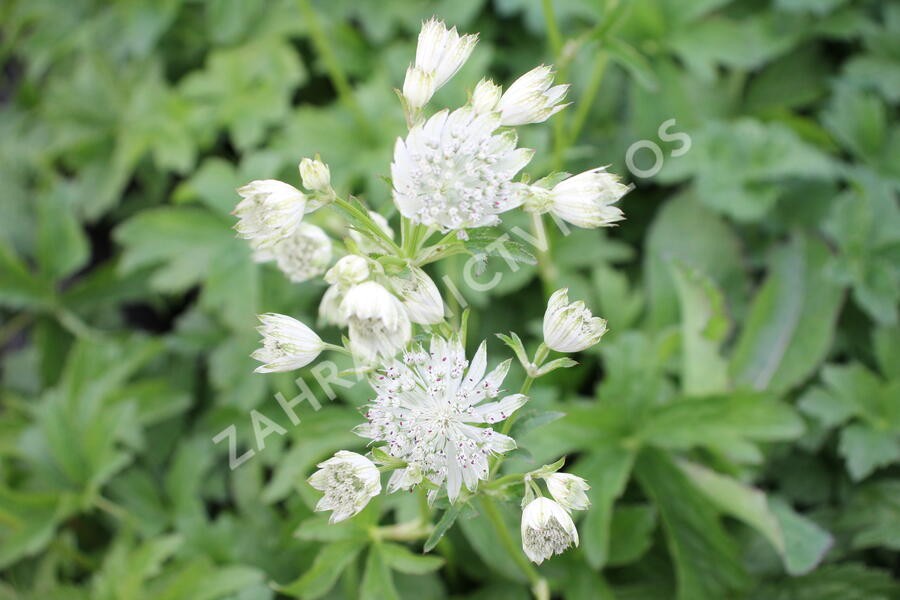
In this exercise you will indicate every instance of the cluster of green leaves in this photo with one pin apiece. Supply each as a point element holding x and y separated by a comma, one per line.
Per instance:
<point>739,424</point>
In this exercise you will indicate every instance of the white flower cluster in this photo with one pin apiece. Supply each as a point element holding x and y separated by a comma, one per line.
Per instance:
<point>432,420</point>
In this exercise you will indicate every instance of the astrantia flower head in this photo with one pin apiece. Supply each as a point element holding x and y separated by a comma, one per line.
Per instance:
<point>454,172</point>
<point>349,480</point>
<point>302,255</point>
<point>439,55</point>
<point>570,327</point>
<point>569,490</point>
<point>288,344</point>
<point>379,325</point>
<point>547,529</point>
<point>269,211</point>
<point>585,200</point>
<point>420,296</point>
<point>428,410</point>
<point>531,99</point>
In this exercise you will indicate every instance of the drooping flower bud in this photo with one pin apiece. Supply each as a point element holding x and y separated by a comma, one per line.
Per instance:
<point>269,211</point>
<point>349,480</point>
<point>570,327</point>
<point>288,344</point>
<point>569,490</point>
<point>586,200</point>
<point>531,99</point>
<point>547,529</point>
<point>315,174</point>
<point>348,270</point>
<point>439,55</point>
<point>420,296</point>
<point>378,323</point>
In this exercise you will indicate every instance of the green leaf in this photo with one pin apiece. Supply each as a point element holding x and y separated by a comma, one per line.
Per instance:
<point>851,581</point>
<point>607,469</point>
<point>632,61</point>
<point>866,449</point>
<point>707,563</point>
<point>377,583</point>
<point>400,559</point>
<point>62,247</point>
<point>704,326</point>
<point>19,288</point>
<point>325,570</point>
<point>28,521</point>
<point>721,422</point>
<point>444,523</point>
<point>792,319</point>
<point>800,543</point>
<point>631,533</point>
<point>873,515</point>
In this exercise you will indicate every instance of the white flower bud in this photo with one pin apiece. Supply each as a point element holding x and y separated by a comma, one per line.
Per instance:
<point>349,480</point>
<point>288,344</point>
<point>530,99</point>
<point>568,490</point>
<point>586,199</point>
<point>420,296</point>
<point>547,529</point>
<point>301,256</point>
<point>330,307</point>
<point>418,87</point>
<point>347,271</point>
<point>441,52</point>
<point>570,327</point>
<point>405,479</point>
<point>269,211</point>
<point>367,245</point>
<point>486,96</point>
<point>378,323</point>
<point>315,174</point>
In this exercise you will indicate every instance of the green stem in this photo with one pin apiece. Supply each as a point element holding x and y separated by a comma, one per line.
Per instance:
<point>373,227</point>
<point>553,35</point>
<point>13,326</point>
<point>333,66</point>
<point>546,270</point>
<point>506,539</point>
<point>584,103</point>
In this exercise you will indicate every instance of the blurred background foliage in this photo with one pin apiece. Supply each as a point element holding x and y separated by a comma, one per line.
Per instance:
<point>740,423</point>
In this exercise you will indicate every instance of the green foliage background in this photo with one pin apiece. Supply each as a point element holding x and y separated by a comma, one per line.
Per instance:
<point>740,423</point>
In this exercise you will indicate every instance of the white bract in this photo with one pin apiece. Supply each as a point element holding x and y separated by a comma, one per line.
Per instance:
<point>568,490</point>
<point>302,255</point>
<point>547,529</point>
<point>585,200</point>
<point>531,99</point>
<point>420,296</point>
<point>365,243</point>
<point>454,172</point>
<point>428,411</point>
<point>288,344</point>
<point>349,480</point>
<point>378,323</point>
<point>315,174</point>
<point>570,327</point>
<point>439,55</point>
<point>486,96</point>
<point>269,211</point>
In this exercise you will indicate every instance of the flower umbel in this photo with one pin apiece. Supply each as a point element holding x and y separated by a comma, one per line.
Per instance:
<point>531,99</point>
<point>269,211</point>
<point>302,255</point>
<point>453,172</point>
<point>568,490</point>
<point>288,344</point>
<point>428,408</point>
<point>349,480</point>
<point>570,327</point>
<point>547,529</point>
